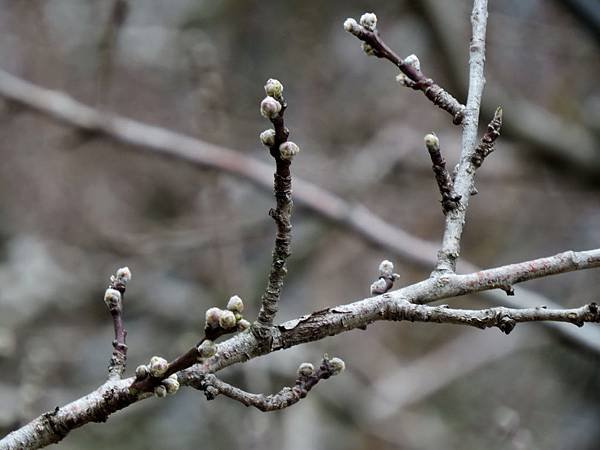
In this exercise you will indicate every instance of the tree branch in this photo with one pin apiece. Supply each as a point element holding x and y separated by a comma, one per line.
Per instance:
<point>113,297</point>
<point>288,396</point>
<point>463,182</point>
<point>61,108</point>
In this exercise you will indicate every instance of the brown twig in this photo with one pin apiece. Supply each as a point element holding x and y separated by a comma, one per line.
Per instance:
<point>413,77</point>
<point>308,378</point>
<point>486,145</point>
<point>113,298</point>
<point>450,199</point>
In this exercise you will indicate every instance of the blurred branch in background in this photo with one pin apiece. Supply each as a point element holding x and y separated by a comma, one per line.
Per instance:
<point>354,217</point>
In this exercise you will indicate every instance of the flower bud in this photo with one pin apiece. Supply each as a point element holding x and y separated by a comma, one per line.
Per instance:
<point>243,325</point>
<point>306,369</point>
<point>380,286</point>
<point>336,365</point>
<point>213,315</point>
<point>273,88</point>
<point>367,49</point>
<point>288,150</point>
<point>141,372</point>
<point>412,60</point>
<point>369,21</point>
<point>112,298</point>
<point>386,268</point>
<point>235,304</point>
<point>160,391</point>
<point>123,275</point>
<point>227,320</point>
<point>207,349</point>
<point>269,107</point>
<point>351,26</point>
<point>432,141</point>
<point>158,366</point>
<point>171,384</point>
<point>267,137</point>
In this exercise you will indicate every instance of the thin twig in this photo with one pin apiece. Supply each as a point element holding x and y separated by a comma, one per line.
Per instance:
<point>463,183</point>
<point>486,145</point>
<point>308,378</point>
<point>449,198</point>
<point>113,298</point>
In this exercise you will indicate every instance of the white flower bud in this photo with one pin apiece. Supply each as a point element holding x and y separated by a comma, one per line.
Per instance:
<point>267,137</point>
<point>412,60</point>
<point>160,391</point>
<point>288,150</point>
<point>141,372</point>
<point>158,366</point>
<point>171,384</point>
<point>337,365</point>
<point>306,369</point>
<point>243,325</point>
<point>123,275</point>
<point>386,268</point>
<point>369,21</point>
<point>273,88</point>
<point>235,304</point>
<point>432,141</point>
<point>378,287</point>
<point>227,320</point>
<point>207,349</point>
<point>213,315</point>
<point>112,298</point>
<point>351,26</point>
<point>269,107</point>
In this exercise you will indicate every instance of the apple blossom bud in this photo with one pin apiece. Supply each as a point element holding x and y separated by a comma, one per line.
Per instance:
<point>207,349</point>
<point>160,391</point>
<point>369,21</point>
<point>213,315</point>
<point>267,137</point>
<point>432,142</point>
<point>243,325</point>
<point>351,26</point>
<point>235,304</point>
<point>413,60</point>
<point>227,320</point>
<point>123,275</point>
<point>141,372</point>
<point>288,150</point>
<point>112,298</point>
<point>171,384</point>
<point>380,286</point>
<point>386,268</point>
<point>274,88</point>
<point>336,365</point>
<point>306,369</point>
<point>269,107</point>
<point>367,49</point>
<point>158,366</point>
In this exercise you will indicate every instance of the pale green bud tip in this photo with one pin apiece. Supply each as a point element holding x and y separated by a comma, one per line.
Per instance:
<point>112,298</point>
<point>227,320</point>
<point>213,315</point>
<point>235,304</point>
<point>171,384</point>
<point>351,25</point>
<point>158,366</point>
<point>432,141</point>
<point>269,107</point>
<point>267,137</point>
<point>207,349</point>
<point>160,391</point>
<point>124,275</point>
<point>141,372</point>
<point>412,60</point>
<point>386,268</point>
<point>306,369</point>
<point>369,21</point>
<point>274,88</point>
<point>367,49</point>
<point>243,325</point>
<point>337,365</point>
<point>288,150</point>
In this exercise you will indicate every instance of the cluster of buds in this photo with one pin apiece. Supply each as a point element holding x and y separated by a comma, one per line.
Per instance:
<point>367,23</point>
<point>157,368</point>
<point>271,108</point>
<point>229,319</point>
<point>386,278</point>
<point>113,296</point>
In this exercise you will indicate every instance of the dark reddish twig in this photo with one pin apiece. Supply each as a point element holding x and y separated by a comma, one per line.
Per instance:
<point>486,145</point>
<point>450,200</point>
<point>113,297</point>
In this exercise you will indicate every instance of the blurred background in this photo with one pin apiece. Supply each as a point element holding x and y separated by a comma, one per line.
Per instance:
<point>74,208</point>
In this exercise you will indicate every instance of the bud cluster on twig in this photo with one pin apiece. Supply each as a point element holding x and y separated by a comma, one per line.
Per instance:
<point>386,279</point>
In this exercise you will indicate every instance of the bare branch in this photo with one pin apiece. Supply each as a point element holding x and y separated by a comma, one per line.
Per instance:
<point>463,183</point>
<point>59,107</point>
<point>411,75</point>
<point>113,297</point>
<point>288,396</point>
